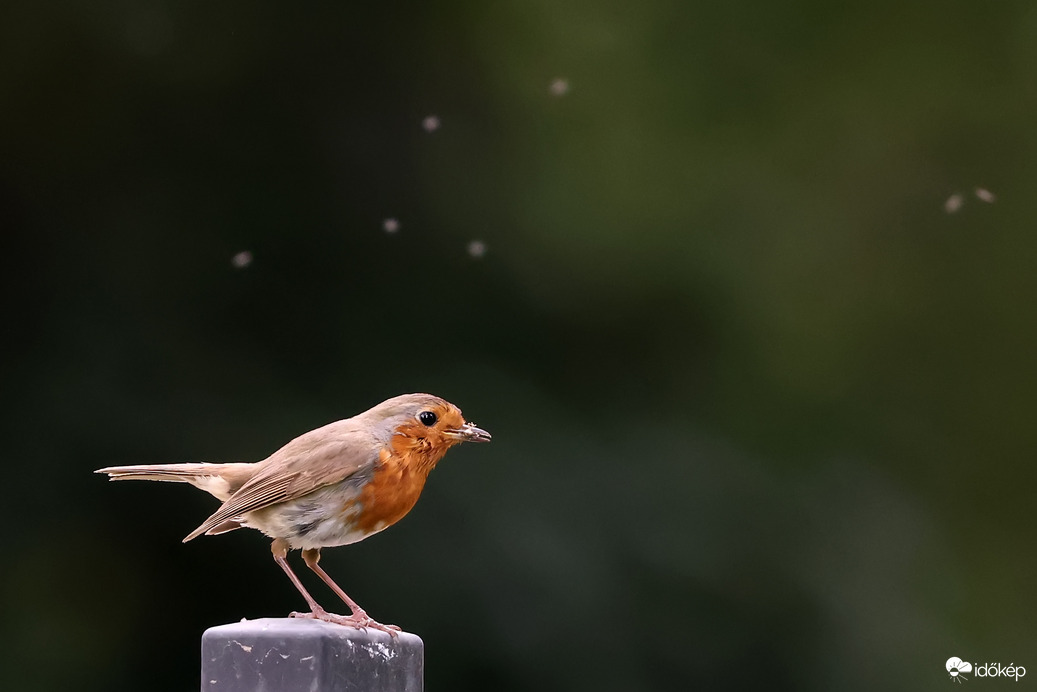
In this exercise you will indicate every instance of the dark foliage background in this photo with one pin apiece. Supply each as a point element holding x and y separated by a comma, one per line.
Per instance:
<point>763,410</point>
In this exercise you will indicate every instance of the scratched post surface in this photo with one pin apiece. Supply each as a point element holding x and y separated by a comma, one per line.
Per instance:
<point>289,655</point>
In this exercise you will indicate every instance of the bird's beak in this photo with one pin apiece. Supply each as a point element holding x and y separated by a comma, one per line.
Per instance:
<point>468,433</point>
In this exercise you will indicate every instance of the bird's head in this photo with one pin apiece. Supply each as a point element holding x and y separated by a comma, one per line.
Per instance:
<point>423,424</point>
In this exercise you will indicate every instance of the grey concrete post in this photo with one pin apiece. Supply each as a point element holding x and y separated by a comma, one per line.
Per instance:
<point>298,655</point>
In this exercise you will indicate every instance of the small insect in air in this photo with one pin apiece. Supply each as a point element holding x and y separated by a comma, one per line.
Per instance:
<point>559,87</point>
<point>985,195</point>
<point>241,260</point>
<point>430,123</point>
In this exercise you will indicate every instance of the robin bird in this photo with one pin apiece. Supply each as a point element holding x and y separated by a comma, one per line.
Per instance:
<point>332,486</point>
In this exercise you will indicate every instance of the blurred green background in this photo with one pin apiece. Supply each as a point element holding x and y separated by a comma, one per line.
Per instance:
<point>763,408</point>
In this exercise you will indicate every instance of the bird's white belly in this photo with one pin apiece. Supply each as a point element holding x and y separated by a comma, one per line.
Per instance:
<point>323,519</point>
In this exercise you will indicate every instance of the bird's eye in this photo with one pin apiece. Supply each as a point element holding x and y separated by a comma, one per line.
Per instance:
<point>427,418</point>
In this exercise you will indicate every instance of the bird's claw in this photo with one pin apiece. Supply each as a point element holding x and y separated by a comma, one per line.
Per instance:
<point>359,620</point>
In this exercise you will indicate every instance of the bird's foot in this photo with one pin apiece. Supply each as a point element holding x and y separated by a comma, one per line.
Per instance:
<point>358,619</point>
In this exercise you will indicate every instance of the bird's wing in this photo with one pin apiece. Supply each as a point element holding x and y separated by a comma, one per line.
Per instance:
<point>321,457</point>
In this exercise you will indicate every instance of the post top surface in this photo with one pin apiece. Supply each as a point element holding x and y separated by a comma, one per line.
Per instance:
<point>306,628</point>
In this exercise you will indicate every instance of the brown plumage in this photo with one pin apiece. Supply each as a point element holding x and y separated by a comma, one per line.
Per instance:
<point>332,486</point>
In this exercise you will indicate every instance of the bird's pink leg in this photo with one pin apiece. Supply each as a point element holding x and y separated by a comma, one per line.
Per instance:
<point>357,618</point>
<point>280,550</point>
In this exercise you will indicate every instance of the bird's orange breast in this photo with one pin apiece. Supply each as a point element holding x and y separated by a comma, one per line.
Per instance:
<point>394,488</point>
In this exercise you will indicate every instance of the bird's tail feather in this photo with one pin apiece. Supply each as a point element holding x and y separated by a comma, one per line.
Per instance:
<point>160,472</point>
<point>219,480</point>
